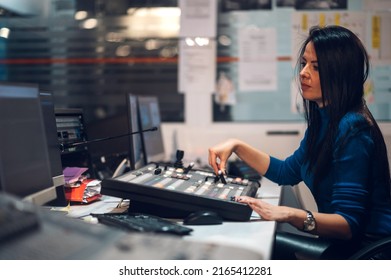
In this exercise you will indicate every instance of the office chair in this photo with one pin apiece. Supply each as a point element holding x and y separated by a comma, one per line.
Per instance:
<point>380,249</point>
<point>293,246</point>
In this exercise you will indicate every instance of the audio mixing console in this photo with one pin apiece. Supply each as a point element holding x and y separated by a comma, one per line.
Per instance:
<point>173,192</point>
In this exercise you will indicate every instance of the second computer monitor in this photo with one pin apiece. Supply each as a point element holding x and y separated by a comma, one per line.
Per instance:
<point>150,117</point>
<point>136,154</point>
<point>49,119</point>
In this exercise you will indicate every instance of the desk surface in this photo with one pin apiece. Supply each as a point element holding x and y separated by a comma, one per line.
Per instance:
<point>255,235</point>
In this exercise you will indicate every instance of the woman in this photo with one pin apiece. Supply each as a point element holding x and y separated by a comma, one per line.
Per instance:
<point>342,157</point>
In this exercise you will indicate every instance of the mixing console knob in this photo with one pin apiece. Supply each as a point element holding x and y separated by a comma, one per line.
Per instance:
<point>179,156</point>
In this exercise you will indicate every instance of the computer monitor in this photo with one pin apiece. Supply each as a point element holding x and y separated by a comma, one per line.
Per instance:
<point>150,117</point>
<point>108,154</point>
<point>24,158</point>
<point>136,154</point>
<point>49,119</point>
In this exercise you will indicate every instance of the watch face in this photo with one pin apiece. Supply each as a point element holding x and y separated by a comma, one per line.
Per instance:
<point>310,226</point>
<point>309,223</point>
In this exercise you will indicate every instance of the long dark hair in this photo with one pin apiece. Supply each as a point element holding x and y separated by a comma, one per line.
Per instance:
<point>343,65</point>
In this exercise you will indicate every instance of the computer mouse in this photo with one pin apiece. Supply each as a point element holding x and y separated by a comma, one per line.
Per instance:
<point>203,217</point>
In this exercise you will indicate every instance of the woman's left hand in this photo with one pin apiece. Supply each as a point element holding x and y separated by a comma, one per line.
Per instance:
<point>328,225</point>
<point>266,210</point>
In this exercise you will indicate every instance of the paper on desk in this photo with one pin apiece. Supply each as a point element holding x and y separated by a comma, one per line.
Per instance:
<point>86,191</point>
<point>73,174</point>
<point>106,204</point>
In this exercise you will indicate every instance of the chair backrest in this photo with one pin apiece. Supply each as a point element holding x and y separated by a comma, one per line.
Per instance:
<point>379,250</point>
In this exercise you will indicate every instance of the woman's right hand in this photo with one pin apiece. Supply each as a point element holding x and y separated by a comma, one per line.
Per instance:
<point>219,154</point>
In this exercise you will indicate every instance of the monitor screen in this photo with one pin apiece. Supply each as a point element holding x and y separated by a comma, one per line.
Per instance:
<point>136,154</point>
<point>24,159</point>
<point>150,117</point>
<point>108,154</point>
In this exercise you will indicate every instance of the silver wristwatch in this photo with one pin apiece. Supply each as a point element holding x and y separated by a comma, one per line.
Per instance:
<point>309,222</point>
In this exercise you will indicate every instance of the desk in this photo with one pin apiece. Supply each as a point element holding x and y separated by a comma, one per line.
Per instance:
<point>255,235</point>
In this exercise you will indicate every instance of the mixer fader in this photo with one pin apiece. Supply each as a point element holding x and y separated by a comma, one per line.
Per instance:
<point>175,192</point>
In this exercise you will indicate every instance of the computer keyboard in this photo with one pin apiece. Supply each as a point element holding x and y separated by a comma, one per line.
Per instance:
<point>140,222</point>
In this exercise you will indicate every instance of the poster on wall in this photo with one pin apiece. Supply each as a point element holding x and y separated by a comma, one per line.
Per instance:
<point>377,5</point>
<point>245,5</point>
<point>257,59</point>
<point>198,18</point>
<point>197,46</point>
<point>303,21</point>
<point>321,4</point>
<point>197,66</point>
<point>381,38</point>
